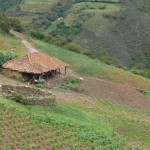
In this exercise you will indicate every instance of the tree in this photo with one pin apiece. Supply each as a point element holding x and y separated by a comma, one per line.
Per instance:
<point>16,25</point>
<point>5,23</point>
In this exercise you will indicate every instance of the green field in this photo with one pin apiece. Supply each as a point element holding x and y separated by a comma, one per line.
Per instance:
<point>96,124</point>
<point>37,6</point>
<point>94,67</point>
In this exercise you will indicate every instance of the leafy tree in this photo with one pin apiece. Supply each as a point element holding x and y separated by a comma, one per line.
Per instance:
<point>37,34</point>
<point>5,23</point>
<point>16,25</point>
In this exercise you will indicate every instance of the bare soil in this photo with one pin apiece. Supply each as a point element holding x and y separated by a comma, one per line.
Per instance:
<point>118,93</point>
<point>94,88</point>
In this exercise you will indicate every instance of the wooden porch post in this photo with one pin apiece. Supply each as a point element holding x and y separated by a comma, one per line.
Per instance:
<point>47,75</point>
<point>65,70</point>
<point>59,71</point>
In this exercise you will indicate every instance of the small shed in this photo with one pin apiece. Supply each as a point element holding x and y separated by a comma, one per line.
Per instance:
<point>35,65</point>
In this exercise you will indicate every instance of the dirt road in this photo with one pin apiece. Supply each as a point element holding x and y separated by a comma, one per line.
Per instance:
<point>28,45</point>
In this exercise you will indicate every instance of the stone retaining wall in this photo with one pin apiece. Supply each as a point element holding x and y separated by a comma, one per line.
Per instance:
<point>30,95</point>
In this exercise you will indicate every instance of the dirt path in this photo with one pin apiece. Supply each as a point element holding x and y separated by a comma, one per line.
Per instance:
<point>28,45</point>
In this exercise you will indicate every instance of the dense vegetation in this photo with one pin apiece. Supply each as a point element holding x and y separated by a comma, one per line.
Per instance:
<point>6,4</point>
<point>6,24</point>
<point>105,29</point>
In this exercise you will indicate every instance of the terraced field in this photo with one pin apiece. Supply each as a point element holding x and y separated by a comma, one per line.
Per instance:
<point>52,128</point>
<point>37,6</point>
<point>82,123</point>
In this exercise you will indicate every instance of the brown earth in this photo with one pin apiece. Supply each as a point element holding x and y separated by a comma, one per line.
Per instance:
<point>114,92</point>
<point>94,88</point>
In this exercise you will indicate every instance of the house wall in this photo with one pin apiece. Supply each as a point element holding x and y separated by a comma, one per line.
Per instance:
<point>11,73</point>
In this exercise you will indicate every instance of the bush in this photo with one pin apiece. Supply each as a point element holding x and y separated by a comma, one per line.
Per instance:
<point>16,25</point>
<point>37,35</point>
<point>56,40</point>
<point>139,66</point>
<point>19,98</point>
<point>5,23</point>
<point>71,84</point>
<point>39,85</point>
<point>4,57</point>
<point>146,73</point>
<point>73,47</point>
<point>107,60</point>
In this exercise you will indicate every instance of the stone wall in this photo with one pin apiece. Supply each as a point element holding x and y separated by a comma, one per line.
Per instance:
<point>11,73</point>
<point>29,95</point>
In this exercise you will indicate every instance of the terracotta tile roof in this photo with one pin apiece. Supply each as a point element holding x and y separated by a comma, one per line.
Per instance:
<point>35,63</point>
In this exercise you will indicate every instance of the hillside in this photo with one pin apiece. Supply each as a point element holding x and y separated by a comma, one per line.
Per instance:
<point>86,124</point>
<point>91,105</point>
<point>74,111</point>
<point>112,29</point>
<point>94,67</point>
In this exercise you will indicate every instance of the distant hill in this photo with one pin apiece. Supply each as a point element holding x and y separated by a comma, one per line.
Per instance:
<point>106,29</point>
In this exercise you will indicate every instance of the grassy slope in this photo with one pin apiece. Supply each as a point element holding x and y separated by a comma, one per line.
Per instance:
<point>105,31</point>
<point>9,43</point>
<point>94,67</point>
<point>37,6</point>
<point>74,125</point>
<point>111,31</point>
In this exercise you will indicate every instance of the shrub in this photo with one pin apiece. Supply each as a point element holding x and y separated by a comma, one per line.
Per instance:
<point>107,59</point>
<point>146,73</point>
<point>73,47</point>
<point>4,57</point>
<point>37,35</point>
<point>5,23</point>
<point>56,40</point>
<point>39,85</point>
<point>19,98</point>
<point>139,66</point>
<point>16,25</point>
<point>71,84</point>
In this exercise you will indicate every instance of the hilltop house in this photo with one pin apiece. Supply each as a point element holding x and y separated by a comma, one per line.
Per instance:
<point>35,66</point>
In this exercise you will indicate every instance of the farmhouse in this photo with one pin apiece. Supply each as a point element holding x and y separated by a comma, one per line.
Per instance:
<point>34,66</point>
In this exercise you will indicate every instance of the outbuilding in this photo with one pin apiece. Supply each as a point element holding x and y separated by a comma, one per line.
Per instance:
<point>34,66</point>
